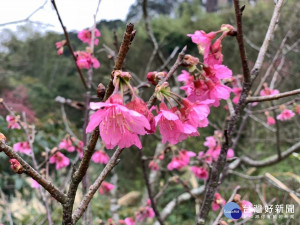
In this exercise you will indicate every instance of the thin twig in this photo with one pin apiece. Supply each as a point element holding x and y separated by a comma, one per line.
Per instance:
<point>69,44</point>
<point>54,191</point>
<point>273,97</point>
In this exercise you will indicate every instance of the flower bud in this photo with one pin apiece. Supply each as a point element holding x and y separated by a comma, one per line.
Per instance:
<point>190,62</point>
<point>2,138</point>
<point>16,166</point>
<point>154,77</point>
<point>100,91</point>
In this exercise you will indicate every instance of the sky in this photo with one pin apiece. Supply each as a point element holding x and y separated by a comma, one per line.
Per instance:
<point>76,14</point>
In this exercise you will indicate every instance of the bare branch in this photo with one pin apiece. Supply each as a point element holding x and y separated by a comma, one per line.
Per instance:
<point>265,45</point>
<point>270,160</point>
<point>54,191</point>
<point>27,18</point>
<point>96,185</point>
<point>240,40</point>
<point>273,97</point>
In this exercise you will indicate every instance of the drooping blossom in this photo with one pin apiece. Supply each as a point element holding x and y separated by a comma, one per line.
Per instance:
<point>144,213</point>
<point>15,166</point>
<point>22,147</point>
<point>34,184</point>
<point>270,120</point>
<point>202,40</point>
<point>171,128</point>
<point>60,46</point>
<point>267,91</point>
<point>86,60</point>
<point>86,36</point>
<point>67,144</point>
<point>247,209</point>
<point>127,221</point>
<point>200,172</point>
<point>181,160</point>
<point>210,142</point>
<point>218,202</point>
<point>237,92</point>
<point>138,105</point>
<point>195,114</point>
<point>153,165</point>
<point>13,122</point>
<point>60,160</point>
<point>286,114</point>
<point>118,125</point>
<point>100,157</point>
<point>105,187</point>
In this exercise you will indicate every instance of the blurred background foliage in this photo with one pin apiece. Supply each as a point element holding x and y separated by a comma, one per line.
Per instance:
<point>30,65</point>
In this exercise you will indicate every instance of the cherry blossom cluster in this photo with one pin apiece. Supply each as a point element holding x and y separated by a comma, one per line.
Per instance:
<point>84,59</point>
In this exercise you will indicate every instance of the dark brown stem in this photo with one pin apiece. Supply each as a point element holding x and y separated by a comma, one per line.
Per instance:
<point>127,39</point>
<point>145,174</point>
<point>69,44</point>
<point>240,40</point>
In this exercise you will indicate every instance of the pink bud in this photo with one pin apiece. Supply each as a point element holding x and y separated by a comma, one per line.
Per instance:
<point>16,166</point>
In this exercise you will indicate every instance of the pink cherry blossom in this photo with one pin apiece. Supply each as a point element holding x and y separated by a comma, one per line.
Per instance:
<point>170,126</point>
<point>218,202</point>
<point>85,60</point>
<point>230,153</point>
<point>217,91</point>
<point>203,40</point>
<point>237,92</point>
<point>34,184</point>
<point>215,56</point>
<point>22,147</point>
<point>210,142</point>
<point>181,160</point>
<point>127,221</point>
<point>270,120</point>
<point>118,125</point>
<point>200,172</point>
<point>138,105</point>
<point>60,46</point>
<point>86,36</point>
<point>100,157</point>
<point>105,187</point>
<point>247,209</point>
<point>221,71</point>
<point>286,114</point>
<point>195,114</point>
<point>153,165</point>
<point>144,213</point>
<point>67,145</point>
<point>267,91</point>
<point>13,122</point>
<point>60,160</point>
<point>79,147</point>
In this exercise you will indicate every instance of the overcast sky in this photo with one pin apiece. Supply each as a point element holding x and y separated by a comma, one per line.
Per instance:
<point>76,14</point>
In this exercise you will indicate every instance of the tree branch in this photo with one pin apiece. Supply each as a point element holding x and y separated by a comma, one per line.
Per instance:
<point>240,40</point>
<point>273,97</point>
<point>96,185</point>
<point>54,191</point>
<point>265,45</point>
